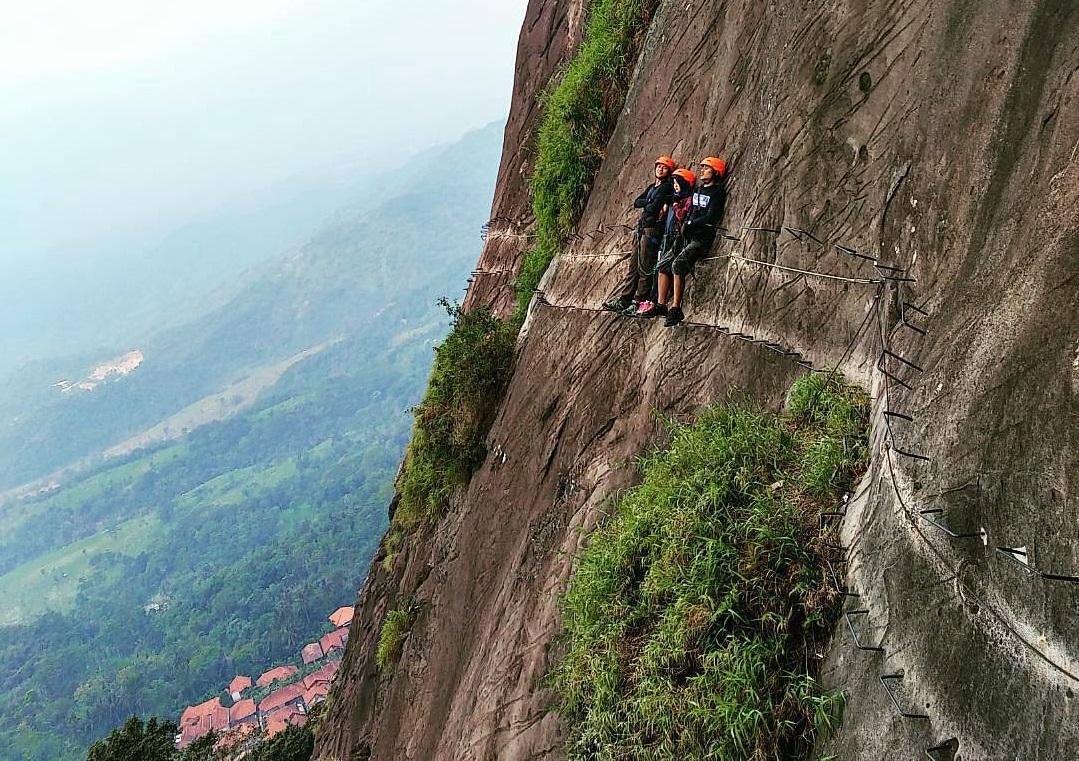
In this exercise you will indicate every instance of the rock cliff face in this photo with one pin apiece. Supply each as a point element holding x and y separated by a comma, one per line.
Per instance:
<point>938,138</point>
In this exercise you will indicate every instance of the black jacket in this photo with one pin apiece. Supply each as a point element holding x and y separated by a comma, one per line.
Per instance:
<point>705,214</point>
<point>652,200</point>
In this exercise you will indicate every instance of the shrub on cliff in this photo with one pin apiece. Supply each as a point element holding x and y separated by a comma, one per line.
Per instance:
<point>580,111</point>
<point>471,368</point>
<point>395,629</point>
<point>693,618</point>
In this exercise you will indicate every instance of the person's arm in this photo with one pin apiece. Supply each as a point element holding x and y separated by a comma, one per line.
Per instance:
<point>660,198</point>
<point>642,200</point>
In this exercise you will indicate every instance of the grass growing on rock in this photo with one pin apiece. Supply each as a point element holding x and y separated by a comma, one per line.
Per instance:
<point>693,618</point>
<point>580,111</point>
<point>395,629</point>
<point>471,368</point>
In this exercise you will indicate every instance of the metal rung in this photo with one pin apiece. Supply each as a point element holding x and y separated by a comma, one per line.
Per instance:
<point>797,231</point>
<point>952,746</point>
<point>905,453</point>
<point>938,511</point>
<point>851,252</point>
<point>904,360</point>
<point>902,383</point>
<point>915,328</point>
<point>854,634</point>
<point>891,696</point>
<point>1019,556</point>
<point>839,588</point>
<point>900,415</point>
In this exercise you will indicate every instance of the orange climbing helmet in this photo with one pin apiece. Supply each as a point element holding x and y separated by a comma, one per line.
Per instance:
<point>719,165</point>
<point>667,161</point>
<point>686,175</point>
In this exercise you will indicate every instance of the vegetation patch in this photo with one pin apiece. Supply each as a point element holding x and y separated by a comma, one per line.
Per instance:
<point>580,111</point>
<point>693,620</point>
<point>395,629</point>
<point>471,368</point>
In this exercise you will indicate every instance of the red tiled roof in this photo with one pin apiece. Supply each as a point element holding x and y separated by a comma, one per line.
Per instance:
<point>315,693</point>
<point>335,640</point>
<point>219,719</point>
<point>281,672</point>
<point>277,721</point>
<point>324,674</point>
<point>239,684</point>
<point>197,721</point>
<point>193,714</point>
<point>281,697</point>
<point>342,616</point>
<point>241,710</point>
<point>311,653</point>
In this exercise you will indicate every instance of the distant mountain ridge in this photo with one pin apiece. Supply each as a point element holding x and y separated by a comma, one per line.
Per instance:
<point>335,283</point>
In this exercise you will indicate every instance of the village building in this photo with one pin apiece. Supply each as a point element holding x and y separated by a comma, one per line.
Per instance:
<point>243,712</point>
<point>279,720</point>
<point>285,705</point>
<point>292,693</point>
<point>199,720</point>
<point>238,685</point>
<point>342,617</point>
<point>278,674</point>
<point>311,653</point>
<point>335,640</point>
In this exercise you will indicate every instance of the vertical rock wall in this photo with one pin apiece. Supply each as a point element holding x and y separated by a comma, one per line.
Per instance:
<point>939,138</point>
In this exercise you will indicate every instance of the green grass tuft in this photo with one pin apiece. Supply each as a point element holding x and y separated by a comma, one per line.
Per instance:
<point>580,111</point>
<point>395,629</point>
<point>692,619</point>
<point>471,368</point>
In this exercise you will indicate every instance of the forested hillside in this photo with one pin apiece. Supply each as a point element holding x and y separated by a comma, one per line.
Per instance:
<point>149,579</point>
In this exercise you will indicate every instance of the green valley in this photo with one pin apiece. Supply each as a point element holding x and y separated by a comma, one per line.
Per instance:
<point>207,509</point>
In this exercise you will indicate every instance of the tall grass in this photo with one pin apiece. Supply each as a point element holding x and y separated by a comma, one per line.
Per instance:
<point>580,111</point>
<point>471,368</point>
<point>693,619</point>
<point>395,630</point>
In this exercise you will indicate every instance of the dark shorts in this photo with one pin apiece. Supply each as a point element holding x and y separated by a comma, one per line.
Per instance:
<point>681,263</point>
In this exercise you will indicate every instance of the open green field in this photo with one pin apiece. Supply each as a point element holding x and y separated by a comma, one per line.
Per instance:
<point>235,486</point>
<point>50,582</point>
<point>15,513</point>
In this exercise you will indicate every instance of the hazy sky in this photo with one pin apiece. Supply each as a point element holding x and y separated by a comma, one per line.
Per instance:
<point>122,116</point>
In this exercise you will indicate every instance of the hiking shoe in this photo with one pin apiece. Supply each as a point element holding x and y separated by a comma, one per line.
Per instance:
<point>653,310</point>
<point>674,317</point>
<point>617,304</point>
<point>631,310</point>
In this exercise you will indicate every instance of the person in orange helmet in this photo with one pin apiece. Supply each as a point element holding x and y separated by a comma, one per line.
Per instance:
<point>636,286</point>
<point>698,234</point>
<point>677,211</point>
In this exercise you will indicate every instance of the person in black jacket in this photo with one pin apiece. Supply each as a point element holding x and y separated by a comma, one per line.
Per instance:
<point>637,283</point>
<point>698,232</point>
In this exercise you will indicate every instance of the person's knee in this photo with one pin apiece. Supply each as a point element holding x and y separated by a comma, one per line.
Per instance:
<point>682,267</point>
